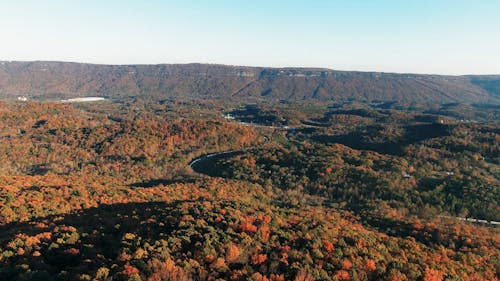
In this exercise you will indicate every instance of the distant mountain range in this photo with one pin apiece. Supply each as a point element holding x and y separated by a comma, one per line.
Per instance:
<point>65,79</point>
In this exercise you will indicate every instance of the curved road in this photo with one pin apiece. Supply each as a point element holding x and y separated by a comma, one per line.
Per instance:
<point>211,155</point>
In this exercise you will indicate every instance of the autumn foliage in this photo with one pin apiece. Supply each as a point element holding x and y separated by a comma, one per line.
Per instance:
<point>90,193</point>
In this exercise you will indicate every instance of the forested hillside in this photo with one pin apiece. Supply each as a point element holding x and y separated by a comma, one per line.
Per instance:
<point>61,79</point>
<point>110,191</point>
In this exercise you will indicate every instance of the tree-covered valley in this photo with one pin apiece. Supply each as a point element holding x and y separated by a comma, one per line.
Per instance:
<point>135,188</point>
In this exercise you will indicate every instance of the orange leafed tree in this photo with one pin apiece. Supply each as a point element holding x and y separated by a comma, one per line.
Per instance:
<point>433,275</point>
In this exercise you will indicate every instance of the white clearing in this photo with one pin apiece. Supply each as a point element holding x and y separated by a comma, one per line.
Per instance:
<point>86,99</point>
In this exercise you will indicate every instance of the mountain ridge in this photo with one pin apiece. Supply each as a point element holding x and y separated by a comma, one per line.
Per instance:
<point>71,79</point>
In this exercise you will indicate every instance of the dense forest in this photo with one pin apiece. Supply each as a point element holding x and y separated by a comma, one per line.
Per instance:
<point>177,189</point>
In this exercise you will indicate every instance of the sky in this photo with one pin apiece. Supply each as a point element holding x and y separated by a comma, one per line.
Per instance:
<point>416,36</point>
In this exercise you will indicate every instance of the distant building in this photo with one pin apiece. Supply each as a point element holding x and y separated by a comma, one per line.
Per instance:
<point>22,98</point>
<point>229,117</point>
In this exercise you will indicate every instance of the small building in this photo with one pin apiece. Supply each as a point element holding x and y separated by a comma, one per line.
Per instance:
<point>229,117</point>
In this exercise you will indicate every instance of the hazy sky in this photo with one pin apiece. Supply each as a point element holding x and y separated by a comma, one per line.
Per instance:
<point>422,36</point>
